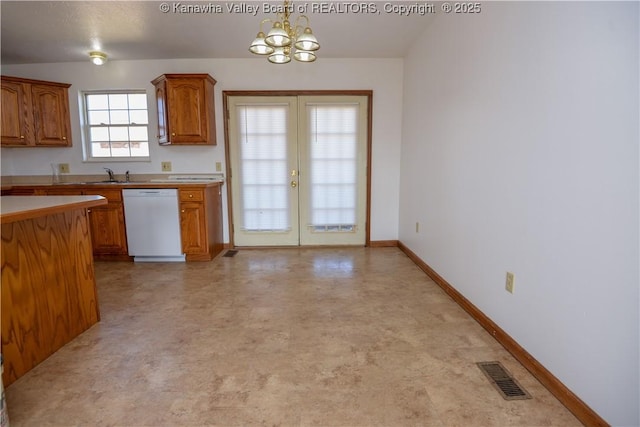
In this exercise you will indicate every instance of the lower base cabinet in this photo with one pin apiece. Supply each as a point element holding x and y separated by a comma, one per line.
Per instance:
<point>108,232</point>
<point>200,220</point>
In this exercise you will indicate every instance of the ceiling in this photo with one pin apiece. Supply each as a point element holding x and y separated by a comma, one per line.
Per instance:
<point>65,31</point>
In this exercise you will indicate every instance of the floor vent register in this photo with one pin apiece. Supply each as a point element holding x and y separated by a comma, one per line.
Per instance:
<point>503,381</point>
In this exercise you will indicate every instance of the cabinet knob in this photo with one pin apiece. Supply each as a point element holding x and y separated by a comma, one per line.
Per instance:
<point>21,136</point>
<point>182,211</point>
<point>191,196</point>
<point>173,134</point>
<point>64,138</point>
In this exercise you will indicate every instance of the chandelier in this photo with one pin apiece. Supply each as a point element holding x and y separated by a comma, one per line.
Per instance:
<point>284,39</point>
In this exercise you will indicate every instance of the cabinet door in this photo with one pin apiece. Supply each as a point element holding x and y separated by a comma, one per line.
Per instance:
<point>108,232</point>
<point>107,229</point>
<point>16,114</point>
<point>193,227</point>
<point>187,111</point>
<point>163,119</point>
<point>51,115</point>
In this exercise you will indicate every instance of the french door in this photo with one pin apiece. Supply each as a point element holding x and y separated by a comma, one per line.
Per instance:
<point>298,169</point>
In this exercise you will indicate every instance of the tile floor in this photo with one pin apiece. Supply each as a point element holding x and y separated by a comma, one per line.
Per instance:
<point>296,337</point>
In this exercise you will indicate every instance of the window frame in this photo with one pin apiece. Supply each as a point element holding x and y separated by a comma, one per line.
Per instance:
<point>86,126</point>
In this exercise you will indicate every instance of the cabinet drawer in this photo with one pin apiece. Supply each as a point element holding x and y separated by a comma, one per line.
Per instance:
<point>191,195</point>
<point>55,191</point>
<point>112,195</point>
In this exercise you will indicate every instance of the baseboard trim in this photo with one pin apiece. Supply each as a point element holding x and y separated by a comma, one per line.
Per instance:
<point>573,403</point>
<point>383,244</point>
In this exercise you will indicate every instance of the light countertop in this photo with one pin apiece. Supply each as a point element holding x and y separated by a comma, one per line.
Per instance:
<point>19,208</point>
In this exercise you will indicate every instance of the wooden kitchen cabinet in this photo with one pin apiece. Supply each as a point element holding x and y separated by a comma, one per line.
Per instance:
<point>51,115</point>
<point>185,106</point>
<point>193,228</point>
<point>108,232</point>
<point>34,113</point>
<point>201,222</point>
<point>15,114</point>
<point>200,218</point>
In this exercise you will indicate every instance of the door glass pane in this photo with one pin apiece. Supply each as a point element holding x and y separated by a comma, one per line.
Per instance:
<point>333,141</point>
<point>262,147</point>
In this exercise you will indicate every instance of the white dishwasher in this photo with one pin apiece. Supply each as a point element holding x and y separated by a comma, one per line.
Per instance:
<point>152,219</point>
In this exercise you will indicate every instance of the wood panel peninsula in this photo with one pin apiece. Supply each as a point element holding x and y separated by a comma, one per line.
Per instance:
<point>48,283</point>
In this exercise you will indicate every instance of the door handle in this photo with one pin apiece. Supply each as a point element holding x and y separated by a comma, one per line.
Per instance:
<point>294,184</point>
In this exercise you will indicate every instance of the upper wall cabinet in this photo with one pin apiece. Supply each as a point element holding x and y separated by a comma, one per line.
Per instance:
<point>185,109</point>
<point>34,113</point>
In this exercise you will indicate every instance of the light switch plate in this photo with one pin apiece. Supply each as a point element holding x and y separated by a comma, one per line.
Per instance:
<point>166,166</point>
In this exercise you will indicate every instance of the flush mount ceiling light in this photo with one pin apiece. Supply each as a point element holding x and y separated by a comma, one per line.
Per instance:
<point>285,39</point>
<point>98,58</point>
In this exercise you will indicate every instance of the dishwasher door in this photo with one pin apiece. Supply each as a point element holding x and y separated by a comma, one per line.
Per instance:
<point>152,219</point>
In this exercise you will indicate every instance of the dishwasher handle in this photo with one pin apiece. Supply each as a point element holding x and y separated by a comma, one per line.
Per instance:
<point>152,192</point>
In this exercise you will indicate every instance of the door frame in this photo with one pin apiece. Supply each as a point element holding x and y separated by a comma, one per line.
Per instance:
<point>274,93</point>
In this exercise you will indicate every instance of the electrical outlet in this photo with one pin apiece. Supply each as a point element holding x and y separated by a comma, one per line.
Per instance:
<point>417,227</point>
<point>510,282</point>
<point>218,166</point>
<point>166,166</point>
<point>63,167</point>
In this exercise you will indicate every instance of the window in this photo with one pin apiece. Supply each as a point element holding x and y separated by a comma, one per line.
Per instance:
<point>116,125</point>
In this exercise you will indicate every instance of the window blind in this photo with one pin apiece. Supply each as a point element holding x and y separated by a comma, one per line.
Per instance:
<point>265,180</point>
<point>333,138</point>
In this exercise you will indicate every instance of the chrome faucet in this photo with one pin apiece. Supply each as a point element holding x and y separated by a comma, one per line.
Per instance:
<point>111,175</point>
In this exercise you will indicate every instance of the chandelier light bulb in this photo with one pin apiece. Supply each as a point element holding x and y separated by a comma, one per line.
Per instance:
<point>304,56</point>
<point>280,56</point>
<point>259,46</point>
<point>307,41</point>
<point>277,36</point>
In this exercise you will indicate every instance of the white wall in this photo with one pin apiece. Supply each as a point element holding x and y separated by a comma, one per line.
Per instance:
<point>520,153</point>
<point>384,77</point>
